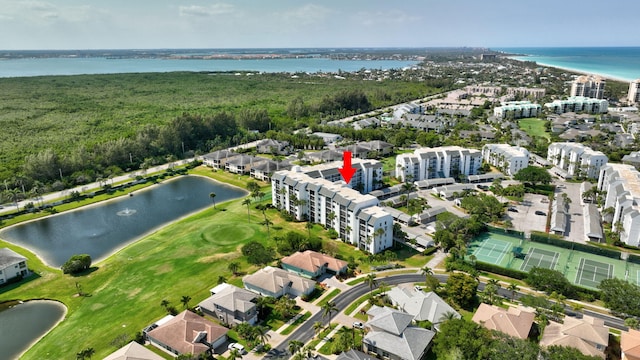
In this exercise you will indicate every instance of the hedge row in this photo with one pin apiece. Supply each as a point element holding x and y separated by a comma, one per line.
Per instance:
<point>495,269</point>
<point>497,230</point>
<point>546,239</point>
<point>429,250</point>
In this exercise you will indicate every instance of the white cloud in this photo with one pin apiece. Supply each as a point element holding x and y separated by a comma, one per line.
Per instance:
<point>212,10</point>
<point>392,17</point>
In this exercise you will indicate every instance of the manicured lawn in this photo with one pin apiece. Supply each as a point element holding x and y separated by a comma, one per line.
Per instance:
<point>534,127</point>
<point>296,323</point>
<point>329,296</point>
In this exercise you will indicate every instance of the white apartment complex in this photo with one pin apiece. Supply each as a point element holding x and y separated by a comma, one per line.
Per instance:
<point>368,176</point>
<point>535,93</point>
<point>576,159</point>
<point>509,159</point>
<point>517,110</point>
<point>634,92</point>
<point>440,162</point>
<point>578,104</point>
<point>621,183</point>
<point>12,265</point>
<point>355,217</point>
<point>588,86</point>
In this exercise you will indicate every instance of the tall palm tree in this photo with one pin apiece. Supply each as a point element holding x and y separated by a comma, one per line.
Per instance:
<point>234,354</point>
<point>328,308</point>
<point>247,202</point>
<point>165,303</point>
<point>262,334</point>
<point>408,187</point>
<point>449,315</point>
<point>185,301</point>
<point>212,195</point>
<point>371,281</point>
<point>513,287</point>
<point>267,223</point>
<point>89,352</point>
<point>295,346</point>
<point>309,226</point>
<point>317,327</point>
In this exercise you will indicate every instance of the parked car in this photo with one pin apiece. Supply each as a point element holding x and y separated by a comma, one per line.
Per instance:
<point>542,213</point>
<point>358,325</point>
<point>512,209</point>
<point>237,346</point>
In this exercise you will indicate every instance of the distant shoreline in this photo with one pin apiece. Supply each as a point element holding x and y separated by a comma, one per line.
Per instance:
<point>523,58</point>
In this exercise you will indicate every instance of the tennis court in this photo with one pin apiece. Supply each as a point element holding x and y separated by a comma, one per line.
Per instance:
<point>492,251</point>
<point>591,272</point>
<point>540,258</point>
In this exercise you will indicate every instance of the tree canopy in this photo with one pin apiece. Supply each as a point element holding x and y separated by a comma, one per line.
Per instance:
<point>533,175</point>
<point>620,296</point>
<point>76,264</point>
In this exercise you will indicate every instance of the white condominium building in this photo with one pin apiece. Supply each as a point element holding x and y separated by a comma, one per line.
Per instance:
<point>621,183</point>
<point>440,162</point>
<point>578,104</point>
<point>588,86</point>
<point>509,159</point>
<point>368,176</point>
<point>535,93</point>
<point>576,159</point>
<point>634,91</point>
<point>355,217</point>
<point>517,110</point>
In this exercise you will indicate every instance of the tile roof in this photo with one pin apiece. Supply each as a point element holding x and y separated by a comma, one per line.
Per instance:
<point>578,333</point>
<point>232,298</point>
<point>180,332</point>
<point>630,344</point>
<point>274,279</point>
<point>133,351</point>
<point>513,322</point>
<point>311,261</point>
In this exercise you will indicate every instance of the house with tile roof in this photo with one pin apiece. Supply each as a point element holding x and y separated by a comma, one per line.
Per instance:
<point>188,333</point>
<point>312,264</point>
<point>231,305</point>
<point>589,335</point>
<point>392,336</point>
<point>422,306</point>
<point>133,351</point>
<point>630,344</point>
<point>515,322</point>
<point>274,282</point>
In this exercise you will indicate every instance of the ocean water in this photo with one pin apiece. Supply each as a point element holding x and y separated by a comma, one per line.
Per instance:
<point>101,65</point>
<point>622,63</point>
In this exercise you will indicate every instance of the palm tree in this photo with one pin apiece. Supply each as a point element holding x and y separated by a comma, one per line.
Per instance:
<point>247,201</point>
<point>295,346</point>
<point>221,279</point>
<point>234,267</point>
<point>370,280</point>
<point>267,223</point>
<point>330,217</point>
<point>317,327</point>
<point>212,195</point>
<point>185,301</point>
<point>165,303</point>
<point>309,226</point>
<point>89,352</point>
<point>408,187</point>
<point>234,355</point>
<point>328,308</point>
<point>513,287</point>
<point>631,323</point>
<point>262,334</point>
<point>449,315</point>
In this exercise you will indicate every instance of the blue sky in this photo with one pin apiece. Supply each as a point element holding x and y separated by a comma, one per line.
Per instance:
<point>109,24</point>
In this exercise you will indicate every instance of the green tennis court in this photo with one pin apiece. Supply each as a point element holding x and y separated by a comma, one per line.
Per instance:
<point>591,272</point>
<point>540,258</point>
<point>492,251</point>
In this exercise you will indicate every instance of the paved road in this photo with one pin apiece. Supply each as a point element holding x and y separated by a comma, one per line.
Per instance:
<point>304,332</point>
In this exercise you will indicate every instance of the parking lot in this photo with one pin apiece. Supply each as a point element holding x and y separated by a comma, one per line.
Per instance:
<point>525,218</point>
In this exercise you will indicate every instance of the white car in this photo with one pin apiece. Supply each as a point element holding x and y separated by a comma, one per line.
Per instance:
<point>358,325</point>
<point>237,346</point>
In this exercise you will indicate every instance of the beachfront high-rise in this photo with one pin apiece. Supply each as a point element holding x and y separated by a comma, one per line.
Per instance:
<point>440,162</point>
<point>588,86</point>
<point>634,92</point>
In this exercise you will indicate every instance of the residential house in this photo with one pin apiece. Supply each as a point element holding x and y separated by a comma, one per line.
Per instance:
<point>355,355</point>
<point>133,351</point>
<point>421,305</point>
<point>313,264</point>
<point>589,335</point>
<point>515,322</point>
<point>630,344</point>
<point>274,282</point>
<point>270,146</point>
<point>263,169</point>
<point>381,148</point>
<point>324,156</point>
<point>218,159</point>
<point>632,159</point>
<point>392,336</point>
<point>231,305</point>
<point>327,137</point>
<point>241,164</point>
<point>12,265</point>
<point>188,333</point>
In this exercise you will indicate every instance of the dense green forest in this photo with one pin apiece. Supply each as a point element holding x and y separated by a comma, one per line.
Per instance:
<point>92,126</point>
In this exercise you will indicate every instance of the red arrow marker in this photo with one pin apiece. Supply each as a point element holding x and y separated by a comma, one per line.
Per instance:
<point>346,170</point>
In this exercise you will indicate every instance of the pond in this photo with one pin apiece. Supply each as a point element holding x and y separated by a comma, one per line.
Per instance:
<point>24,324</point>
<point>101,229</point>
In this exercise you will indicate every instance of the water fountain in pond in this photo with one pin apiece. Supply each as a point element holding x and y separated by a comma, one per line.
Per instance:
<point>126,212</point>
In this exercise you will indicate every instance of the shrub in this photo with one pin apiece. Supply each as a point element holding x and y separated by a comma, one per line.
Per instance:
<point>76,264</point>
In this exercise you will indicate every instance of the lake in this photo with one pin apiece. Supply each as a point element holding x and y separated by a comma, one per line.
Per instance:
<point>101,229</point>
<point>24,324</point>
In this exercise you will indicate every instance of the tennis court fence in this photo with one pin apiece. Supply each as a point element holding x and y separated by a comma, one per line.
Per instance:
<point>544,238</point>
